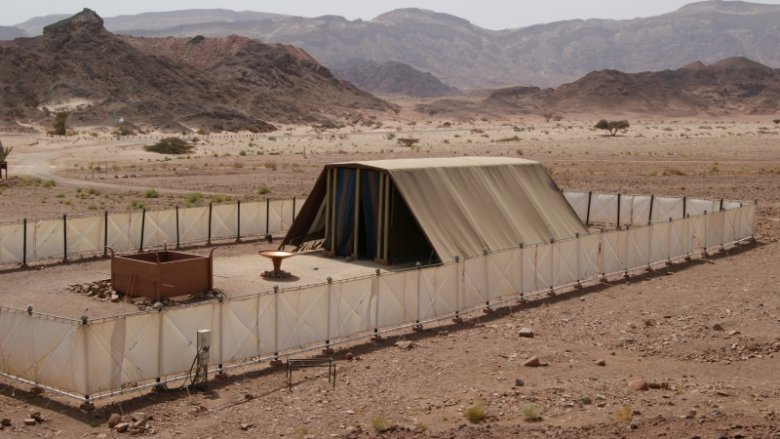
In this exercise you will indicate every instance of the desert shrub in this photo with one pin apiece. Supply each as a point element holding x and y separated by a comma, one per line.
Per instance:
<point>151,193</point>
<point>60,123</point>
<point>263,190</point>
<point>776,121</point>
<point>613,126</point>
<point>137,205</point>
<point>624,414</point>
<point>381,424</point>
<point>194,199</point>
<point>475,414</point>
<point>5,151</point>
<point>407,141</point>
<point>531,413</point>
<point>390,136</point>
<point>221,198</point>
<point>509,139</point>
<point>49,183</point>
<point>171,145</point>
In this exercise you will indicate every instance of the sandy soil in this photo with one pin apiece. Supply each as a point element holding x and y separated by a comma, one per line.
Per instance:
<point>704,335</point>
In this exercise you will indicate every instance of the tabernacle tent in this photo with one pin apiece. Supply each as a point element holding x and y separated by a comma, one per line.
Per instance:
<point>432,208</point>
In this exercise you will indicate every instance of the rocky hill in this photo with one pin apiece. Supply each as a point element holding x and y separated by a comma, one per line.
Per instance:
<point>10,33</point>
<point>393,78</point>
<point>466,56</point>
<point>78,66</point>
<point>727,87</point>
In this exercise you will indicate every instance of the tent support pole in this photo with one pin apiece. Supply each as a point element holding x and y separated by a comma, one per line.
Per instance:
<point>356,224</point>
<point>380,216</point>
<point>386,237</point>
<point>333,212</point>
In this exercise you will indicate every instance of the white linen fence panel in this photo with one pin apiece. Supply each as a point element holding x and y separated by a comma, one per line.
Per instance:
<point>12,244</point>
<point>109,355</point>
<point>160,229</point>
<point>579,202</point>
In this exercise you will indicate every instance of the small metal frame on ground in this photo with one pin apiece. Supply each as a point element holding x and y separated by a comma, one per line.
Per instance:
<point>306,363</point>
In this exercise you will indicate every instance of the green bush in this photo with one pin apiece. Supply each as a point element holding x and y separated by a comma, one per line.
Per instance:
<point>171,145</point>
<point>531,413</point>
<point>151,193</point>
<point>263,190</point>
<point>613,126</point>
<point>60,123</point>
<point>475,414</point>
<point>380,424</point>
<point>194,199</point>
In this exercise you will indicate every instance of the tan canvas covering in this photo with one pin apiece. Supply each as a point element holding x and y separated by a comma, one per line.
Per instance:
<point>466,205</point>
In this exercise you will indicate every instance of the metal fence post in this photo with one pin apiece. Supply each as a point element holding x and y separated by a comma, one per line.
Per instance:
<point>24,242</point>
<point>457,289</point>
<point>618,211</point>
<point>650,215</point>
<point>267,216</point>
<point>238,221</point>
<point>143,226</point>
<point>587,214</point>
<point>211,207</point>
<point>105,233</point>
<point>178,240</point>
<point>64,237</point>
<point>327,331</point>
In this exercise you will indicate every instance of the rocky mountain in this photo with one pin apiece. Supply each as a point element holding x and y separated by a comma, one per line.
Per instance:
<point>467,56</point>
<point>393,78</point>
<point>79,66</point>
<point>727,87</point>
<point>10,33</point>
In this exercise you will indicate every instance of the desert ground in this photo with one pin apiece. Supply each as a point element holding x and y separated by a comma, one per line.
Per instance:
<point>688,351</point>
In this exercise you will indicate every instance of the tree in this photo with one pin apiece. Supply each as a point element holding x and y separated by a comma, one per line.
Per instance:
<point>613,126</point>
<point>60,123</point>
<point>171,145</point>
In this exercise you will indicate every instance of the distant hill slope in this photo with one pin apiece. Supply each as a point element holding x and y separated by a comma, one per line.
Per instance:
<point>77,65</point>
<point>466,56</point>
<point>393,78</point>
<point>727,87</point>
<point>10,33</point>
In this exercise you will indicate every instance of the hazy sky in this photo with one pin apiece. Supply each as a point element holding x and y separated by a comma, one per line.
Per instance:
<point>492,14</point>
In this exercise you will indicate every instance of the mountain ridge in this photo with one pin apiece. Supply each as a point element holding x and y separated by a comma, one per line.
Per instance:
<point>467,56</point>
<point>79,66</point>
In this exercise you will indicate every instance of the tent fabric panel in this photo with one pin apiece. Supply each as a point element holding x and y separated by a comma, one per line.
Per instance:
<point>467,210</point>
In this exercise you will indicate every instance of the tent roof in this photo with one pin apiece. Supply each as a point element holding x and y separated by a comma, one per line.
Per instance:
<point>436,162</point>
<point>467,205</point>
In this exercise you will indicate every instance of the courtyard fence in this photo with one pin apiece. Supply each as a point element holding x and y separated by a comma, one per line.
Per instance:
<point>67,238</point>
<point>90,359</point>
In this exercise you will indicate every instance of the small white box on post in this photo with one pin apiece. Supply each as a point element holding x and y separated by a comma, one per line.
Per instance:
<point>204,348</point>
